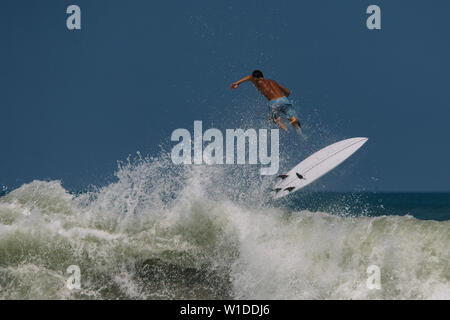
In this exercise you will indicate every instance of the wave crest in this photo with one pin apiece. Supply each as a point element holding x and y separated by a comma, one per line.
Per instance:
<point>173,232</point>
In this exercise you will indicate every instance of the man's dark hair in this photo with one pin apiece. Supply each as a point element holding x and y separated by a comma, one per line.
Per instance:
<point>257,74</point>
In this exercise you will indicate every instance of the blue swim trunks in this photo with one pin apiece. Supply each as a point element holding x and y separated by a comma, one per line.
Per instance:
<point>281,106</point>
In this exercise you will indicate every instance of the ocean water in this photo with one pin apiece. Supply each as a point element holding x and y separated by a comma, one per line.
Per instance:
<point>160,231</point>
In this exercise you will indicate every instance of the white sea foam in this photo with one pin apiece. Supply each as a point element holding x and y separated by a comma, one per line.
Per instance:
<point>163,231</point>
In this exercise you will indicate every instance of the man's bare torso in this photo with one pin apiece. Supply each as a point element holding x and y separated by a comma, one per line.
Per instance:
<point>268,88</point>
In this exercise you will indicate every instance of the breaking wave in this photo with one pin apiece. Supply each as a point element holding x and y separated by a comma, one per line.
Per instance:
<point>173,232</point>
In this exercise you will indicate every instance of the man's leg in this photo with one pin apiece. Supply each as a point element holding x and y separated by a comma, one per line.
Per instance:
<point>280,123</point>
<point>294,122</point>
<point>292,116</point>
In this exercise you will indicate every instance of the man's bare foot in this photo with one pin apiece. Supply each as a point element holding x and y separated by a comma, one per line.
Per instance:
<point>295,122</point>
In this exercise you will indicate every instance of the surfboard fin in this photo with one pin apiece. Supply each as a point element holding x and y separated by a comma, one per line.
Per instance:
<point>282,176</point>
<point>300,176</point>
<point>289,189</point>
<point>277,190</point>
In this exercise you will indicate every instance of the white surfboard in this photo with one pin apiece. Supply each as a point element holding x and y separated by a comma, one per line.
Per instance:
<point>316,165</point>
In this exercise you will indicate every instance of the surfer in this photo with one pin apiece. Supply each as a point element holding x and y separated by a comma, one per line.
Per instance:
<point>277,95</point>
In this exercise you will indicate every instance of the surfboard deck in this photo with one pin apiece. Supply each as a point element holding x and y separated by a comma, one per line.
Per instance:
<point>316,165</point>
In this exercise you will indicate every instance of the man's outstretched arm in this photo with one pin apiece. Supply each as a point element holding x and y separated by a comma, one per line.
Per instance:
<point>237,83</point>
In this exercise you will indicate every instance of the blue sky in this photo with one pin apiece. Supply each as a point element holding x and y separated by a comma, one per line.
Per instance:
<point>73,103</point>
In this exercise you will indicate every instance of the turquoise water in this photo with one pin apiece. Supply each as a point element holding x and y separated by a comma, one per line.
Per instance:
<point>160,231</point>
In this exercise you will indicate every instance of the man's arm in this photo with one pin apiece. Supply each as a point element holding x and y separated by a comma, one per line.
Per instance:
<point>287,92</point>
<point>237,83</point>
